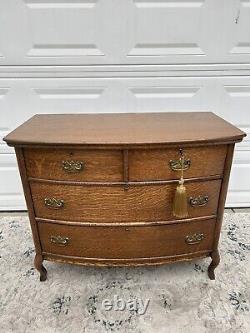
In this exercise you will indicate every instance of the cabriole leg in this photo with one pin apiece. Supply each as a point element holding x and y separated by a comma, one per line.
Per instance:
<point>215,262</point>
<point>38,262</point>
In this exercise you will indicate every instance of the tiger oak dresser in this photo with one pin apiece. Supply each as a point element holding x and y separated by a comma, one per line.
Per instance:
<point>100,188</point>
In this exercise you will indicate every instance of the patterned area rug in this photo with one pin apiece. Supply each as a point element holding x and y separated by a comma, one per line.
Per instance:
<point>181,297</point>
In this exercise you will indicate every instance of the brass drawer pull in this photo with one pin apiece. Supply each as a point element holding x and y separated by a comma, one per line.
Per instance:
<point>199,201</point>
<point>180,165</point>
<point>59,240</point>
<point>194,239</point>
<point>72,166</point>
<point>54,203</point>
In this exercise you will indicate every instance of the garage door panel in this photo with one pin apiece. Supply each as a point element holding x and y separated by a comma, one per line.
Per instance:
<point>157,32</point>
<point>21,98</point>
<point>239,185</point>
<point>56,38</point>
<point>238,98</point>
<point>4,124</point>
<point>228,97</point>
<point>51,32</point>
<point>84,32</point>
<point>11,194</point>
<point>240,38</point>
<point>150,56</point>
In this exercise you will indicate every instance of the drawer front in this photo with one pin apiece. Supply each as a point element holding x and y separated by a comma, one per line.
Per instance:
<point>114,204</point>
<point>154,164</point>
<point>75,164</point>
<point>127,242</point>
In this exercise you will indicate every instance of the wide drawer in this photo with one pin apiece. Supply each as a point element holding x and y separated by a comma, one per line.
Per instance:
<point>159,164</point>
<point>114,204</point>
<point>107,165</point>
<point>127,242</point>
<point>74,164</point>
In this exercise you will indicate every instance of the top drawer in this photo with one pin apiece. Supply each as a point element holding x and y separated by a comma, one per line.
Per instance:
<point>154,164</point>
<point>108,165</point>
<point>74,164</point>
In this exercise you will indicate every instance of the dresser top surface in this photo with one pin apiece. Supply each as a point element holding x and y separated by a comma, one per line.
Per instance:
<point>124,129</point>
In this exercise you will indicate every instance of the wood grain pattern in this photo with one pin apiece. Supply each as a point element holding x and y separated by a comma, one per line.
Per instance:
<point>126,242</point>
<point>153,164</point>
<point>118,211</point>
<point>223,194</point>
<point>129,224</point>
<point>222,199</point>
<point>115,165</point>
<point>133,262</point>
<point>98,165</point>
<point>132,129</point>
<point>28,198</point>
<point>38,260</point>
<point>112,204</point>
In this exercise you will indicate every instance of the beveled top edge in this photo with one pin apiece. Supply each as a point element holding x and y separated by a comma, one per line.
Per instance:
<point>126,129</point>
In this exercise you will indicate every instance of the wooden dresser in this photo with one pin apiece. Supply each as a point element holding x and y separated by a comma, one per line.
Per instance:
<point>100,188</point>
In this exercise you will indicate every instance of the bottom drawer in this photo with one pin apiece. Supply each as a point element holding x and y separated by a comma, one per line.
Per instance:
<point>126,242</point>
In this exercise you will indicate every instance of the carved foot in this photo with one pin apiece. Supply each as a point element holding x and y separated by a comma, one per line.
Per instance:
<point>38,262</point>
<point>215,262</point>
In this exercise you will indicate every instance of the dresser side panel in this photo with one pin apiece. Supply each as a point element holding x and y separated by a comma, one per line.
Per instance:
<point>223,194</point>
<point>28,198</point>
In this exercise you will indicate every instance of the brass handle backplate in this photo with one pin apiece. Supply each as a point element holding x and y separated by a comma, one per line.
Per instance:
<point>180,165</point>
<point>54,203</point>
<point>72,166</point>
<point>199,201</point>
<point>59,240</point>
<point>194,239</point>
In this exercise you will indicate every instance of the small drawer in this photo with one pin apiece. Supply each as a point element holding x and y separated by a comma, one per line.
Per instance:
<point>114,204</point>
<point>160,164</point>
<point>127,242</point>
<point>74,164</point>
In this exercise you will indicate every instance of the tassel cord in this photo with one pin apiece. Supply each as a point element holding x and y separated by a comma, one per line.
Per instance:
<point>181,182</point>
<point>180,209</point>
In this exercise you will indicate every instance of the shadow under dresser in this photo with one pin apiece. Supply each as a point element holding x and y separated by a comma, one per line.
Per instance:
<point>100,188</point>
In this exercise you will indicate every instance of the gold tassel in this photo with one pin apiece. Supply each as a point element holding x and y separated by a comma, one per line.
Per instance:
<point>180,208</point>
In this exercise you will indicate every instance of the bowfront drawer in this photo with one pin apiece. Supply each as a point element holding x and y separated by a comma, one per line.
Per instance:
<point>75,164</point>
<point>114,204</point>
<point>127,242</point>
<point>163,164</point>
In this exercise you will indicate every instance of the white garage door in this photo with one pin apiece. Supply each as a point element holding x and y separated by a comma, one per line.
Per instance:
<point>62,56</point>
